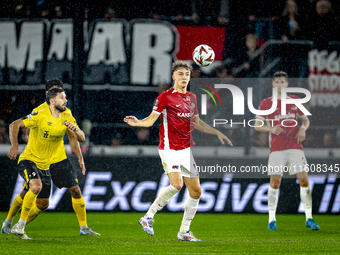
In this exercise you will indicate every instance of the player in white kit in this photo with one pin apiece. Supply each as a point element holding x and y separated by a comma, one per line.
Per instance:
<point>178,110</point>
<point>286,152</point>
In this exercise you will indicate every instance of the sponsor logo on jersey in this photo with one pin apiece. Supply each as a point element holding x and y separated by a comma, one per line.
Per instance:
<point>34,113</point>
<point>156,102</point>
<point>55,136</point>
<point>185,114</point>
<point>175,167</point>
<point>49,123</point>
<point>287,116</point>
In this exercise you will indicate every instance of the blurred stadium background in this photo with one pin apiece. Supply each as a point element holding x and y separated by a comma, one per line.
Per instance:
<point>115,57</point>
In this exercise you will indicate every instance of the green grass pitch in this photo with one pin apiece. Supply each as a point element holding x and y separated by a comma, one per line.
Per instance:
<point>58,233</point>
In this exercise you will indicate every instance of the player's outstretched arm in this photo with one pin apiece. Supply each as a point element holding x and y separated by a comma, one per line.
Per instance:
<point>301,134</point>
<point>76,148</point>
<point>276,130</point>
<point>200,125</point>
<point>13,136</point>
<point>147,122</point>
<point>77,131</point>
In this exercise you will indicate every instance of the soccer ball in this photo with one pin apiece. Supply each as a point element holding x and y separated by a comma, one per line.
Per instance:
<point>203,55</point>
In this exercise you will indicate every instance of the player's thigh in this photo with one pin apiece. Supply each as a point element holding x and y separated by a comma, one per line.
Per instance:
<point>277,162</point>
<point>28,170</point>
<point>63,174</point>
<point>45,177</point>
<point>30,173</point>
<point>188,164</point>
<point>36,179</point>
<point>297,163</point>
<point>175,179</point>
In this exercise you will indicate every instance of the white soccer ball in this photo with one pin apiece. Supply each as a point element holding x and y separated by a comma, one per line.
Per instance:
<point>203,55</point>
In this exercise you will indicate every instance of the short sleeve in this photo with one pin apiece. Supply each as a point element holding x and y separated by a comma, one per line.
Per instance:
<point>159,104</point>
<point>263,106</point>
<point>31,120</point>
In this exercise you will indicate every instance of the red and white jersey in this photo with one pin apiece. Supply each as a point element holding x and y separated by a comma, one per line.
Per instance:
<point>286,140</point>
<point>178,119</point>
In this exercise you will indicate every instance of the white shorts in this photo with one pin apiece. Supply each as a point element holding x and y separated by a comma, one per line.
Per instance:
<point>292,161</point>
<point>181,161</point>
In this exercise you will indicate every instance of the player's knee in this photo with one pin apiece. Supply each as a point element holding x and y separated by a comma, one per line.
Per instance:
<point>197,192</point>
<point>36,188</point>
<point>43,203</point>
<point>304,183</point>
<point>178,185</point>
<point>75,192</point>
<point>275,184</point>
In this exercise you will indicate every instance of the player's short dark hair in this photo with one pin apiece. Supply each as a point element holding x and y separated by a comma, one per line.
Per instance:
<point>280,74</point>
<point>52,93</point>
<point>52,83</point>
<point>180,64</point>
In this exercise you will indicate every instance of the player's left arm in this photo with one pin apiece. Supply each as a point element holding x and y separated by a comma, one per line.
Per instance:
<point>76,148</point>
<point>301,134</point>
<point>77,131</point>
<point>200,125</point>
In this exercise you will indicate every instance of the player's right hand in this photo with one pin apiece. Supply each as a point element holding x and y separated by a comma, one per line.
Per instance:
<point>131,120</point>
<point>276,130</point>
<point>13,152</point>
<point>82,166</point>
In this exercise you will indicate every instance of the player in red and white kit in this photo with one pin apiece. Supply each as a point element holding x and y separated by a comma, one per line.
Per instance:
<point>178,110</point>
<point>286,151</point>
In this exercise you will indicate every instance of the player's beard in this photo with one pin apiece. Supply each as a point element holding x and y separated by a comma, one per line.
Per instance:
<point>60,108</point>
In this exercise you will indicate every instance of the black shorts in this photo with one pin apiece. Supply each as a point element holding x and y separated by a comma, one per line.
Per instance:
<point>29,171</point>
<point>63,174</point>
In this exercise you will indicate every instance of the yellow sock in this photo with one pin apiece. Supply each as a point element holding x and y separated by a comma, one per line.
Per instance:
<point>35,211</point>
<point>79,208</point>
<point>29,200</point>
<point>15,207</point>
